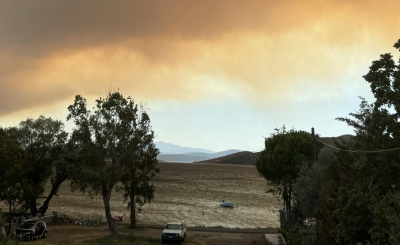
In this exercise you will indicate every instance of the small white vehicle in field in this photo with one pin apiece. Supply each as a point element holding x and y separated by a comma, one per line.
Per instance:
<point>174,232</point>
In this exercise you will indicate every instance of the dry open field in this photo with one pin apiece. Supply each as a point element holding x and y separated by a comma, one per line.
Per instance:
<point>184,192</point>
<point>189,193</point>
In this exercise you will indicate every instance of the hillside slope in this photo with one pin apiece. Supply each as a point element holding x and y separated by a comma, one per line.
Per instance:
<point>180,158</point>
<point>240,158</point>
<point>340,139</point>
<point>250,158</point>
<point>193,156</point>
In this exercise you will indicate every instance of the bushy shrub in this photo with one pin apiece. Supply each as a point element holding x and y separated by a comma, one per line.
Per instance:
<point>295,231</point>
<point>3,238</point>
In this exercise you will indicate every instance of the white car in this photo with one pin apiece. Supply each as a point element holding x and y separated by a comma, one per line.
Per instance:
<point>174,232</point>
<point>31,230</point>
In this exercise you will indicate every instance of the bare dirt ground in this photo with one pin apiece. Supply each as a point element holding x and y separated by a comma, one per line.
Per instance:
<point>200,236</point>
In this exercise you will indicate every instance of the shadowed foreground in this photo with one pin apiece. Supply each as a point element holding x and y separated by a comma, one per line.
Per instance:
<point>76,234</point>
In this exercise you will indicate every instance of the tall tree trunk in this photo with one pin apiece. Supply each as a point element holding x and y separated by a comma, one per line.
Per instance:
<point>33,208</point>
<point>106,194</point>
<point>290,199</point>
<point>59,179</point>
<point>133,208</point>
<point>285,196</point>
<point>9,215</point>
<point>45,205</point>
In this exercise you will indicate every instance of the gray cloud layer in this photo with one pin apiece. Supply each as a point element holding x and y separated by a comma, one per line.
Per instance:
<point>167,37</point>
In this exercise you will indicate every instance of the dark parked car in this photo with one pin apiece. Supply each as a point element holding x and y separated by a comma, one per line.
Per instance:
<point>31,230</point>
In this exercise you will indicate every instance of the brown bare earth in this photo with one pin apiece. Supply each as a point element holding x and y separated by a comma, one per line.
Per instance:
<point>63,234</point>
<point>201,186</point>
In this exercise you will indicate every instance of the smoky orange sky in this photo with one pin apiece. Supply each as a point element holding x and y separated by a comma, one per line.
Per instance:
<point>198,59</point>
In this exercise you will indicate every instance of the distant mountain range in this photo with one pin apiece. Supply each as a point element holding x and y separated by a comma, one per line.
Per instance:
<point>167,148</point>
<point>189,155</point>
<point>175,153</point>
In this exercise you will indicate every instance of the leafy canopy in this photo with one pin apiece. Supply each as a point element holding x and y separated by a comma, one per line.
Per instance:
<point>284,154</point>
<point>281,160</point>
<point>115,144</point>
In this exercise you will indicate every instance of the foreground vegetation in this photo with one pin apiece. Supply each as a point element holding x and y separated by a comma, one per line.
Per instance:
<point>108,240</point>
<point>351,194</point>
<point>109,145</point>
<point>123,239</point>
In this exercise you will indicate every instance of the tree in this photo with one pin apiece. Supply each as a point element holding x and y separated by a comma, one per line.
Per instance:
<point>11,172</point>
<point>140,163</point>
<point>61,168</point>
<point>359,193</point>
<point>41,140</point>
<point>309,182</point>
<point>113,146</point>
<point>280,162</point>
<point>386,220</point>
<point>377,126</point>
<point>338,173</point>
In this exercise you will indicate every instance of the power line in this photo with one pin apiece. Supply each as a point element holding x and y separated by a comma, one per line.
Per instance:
<point>377,151</point>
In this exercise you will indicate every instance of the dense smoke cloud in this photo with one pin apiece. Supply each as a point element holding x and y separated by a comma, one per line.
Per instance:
<point>259,50</point>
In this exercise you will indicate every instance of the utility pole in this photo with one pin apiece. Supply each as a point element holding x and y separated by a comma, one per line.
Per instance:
<point>315,161</point>
<point>313,146</point>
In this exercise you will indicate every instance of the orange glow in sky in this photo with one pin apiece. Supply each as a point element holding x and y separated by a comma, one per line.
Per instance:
<point>223,72</point>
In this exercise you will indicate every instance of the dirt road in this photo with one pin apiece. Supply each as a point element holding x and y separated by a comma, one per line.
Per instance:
<point>195,235</point>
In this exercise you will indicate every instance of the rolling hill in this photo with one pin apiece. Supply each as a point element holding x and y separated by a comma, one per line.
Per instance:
<point>193,156</point>
<point>189,155</point>
<point>176,153</point>
<point>250,158</point>
<point>242,158</point>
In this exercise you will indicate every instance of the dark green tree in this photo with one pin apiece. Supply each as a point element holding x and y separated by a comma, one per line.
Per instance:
<point>42,140</point>
<point>61,167</point>
<point>114,144</point>
<point>386,220</point>
<point>11,172</point>
<point>99,136</point>
<point>140,164</point>
<point>309,182</point>
<point>377,126</point>
<point>280,162</point>
<point>338,173</point>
